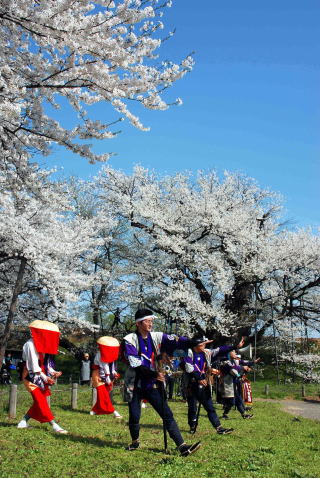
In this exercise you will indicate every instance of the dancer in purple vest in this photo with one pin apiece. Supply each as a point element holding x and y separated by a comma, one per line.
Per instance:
<point>142,350</point>
<point>231,371</point>
<point>198,368</point>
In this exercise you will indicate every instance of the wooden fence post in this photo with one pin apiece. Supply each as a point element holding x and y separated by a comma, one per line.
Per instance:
<point>74,396</point>
<point>303,391</point>
<point>94,396</point>
<point>13,401</point>
<point>266,389</point>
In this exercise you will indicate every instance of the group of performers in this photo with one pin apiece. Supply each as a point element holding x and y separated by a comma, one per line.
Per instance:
<point>145,353</point>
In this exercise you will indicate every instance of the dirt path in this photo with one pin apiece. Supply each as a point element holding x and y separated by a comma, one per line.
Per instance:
<point>307,408</point>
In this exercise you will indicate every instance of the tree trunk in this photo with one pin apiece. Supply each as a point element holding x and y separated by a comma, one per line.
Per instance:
<point>239,300</point>
<point>96,315</point>
<point>12,309</point>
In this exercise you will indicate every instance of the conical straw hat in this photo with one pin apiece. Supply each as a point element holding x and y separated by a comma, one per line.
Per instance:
<point>109,341</point>
<point>44,325</point>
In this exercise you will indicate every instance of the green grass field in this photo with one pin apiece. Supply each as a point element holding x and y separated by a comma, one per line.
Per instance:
<point>273,444</point>
<point>284,391</point>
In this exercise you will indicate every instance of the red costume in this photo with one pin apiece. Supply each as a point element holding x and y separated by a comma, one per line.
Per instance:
<point>104,373</point>
<point>38,373</point>
<point>246,390</point>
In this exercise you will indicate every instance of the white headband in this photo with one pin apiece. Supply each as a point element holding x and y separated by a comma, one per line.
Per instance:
<point>146,317</point>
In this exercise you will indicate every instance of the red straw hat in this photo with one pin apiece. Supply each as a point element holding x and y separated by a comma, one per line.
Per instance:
<point>46,336</point>
<point>109,348</point>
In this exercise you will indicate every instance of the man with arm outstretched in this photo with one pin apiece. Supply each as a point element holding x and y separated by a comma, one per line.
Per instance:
<point>142,350</point>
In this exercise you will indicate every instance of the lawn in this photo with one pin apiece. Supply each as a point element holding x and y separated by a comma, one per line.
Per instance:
<point>273,444</point>
<point>285,390</point>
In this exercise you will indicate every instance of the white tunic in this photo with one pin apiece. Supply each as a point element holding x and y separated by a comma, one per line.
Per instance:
<point>31,357</point>
<point>104,368</point>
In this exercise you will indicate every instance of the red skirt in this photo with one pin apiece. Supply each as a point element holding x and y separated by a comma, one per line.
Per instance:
<point>103,405</point>
<point>40,410</point>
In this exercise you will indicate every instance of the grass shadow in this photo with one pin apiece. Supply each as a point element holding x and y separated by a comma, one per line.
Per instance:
<point>151,425</point>
<point>6,424</point>
<point>90,440</point>
<point>160,450</point>
<point>69,409</point>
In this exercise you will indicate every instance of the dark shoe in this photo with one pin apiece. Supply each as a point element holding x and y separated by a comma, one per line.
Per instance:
<point>193,429</point>
<point>224,431</point>
<point>246,416</point>
<point>225,417</point>
<point>186,450</point>
<point>133,446</point>
<point>247,409</point>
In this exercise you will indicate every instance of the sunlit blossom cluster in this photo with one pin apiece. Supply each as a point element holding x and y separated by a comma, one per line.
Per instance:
<point>82,53</point>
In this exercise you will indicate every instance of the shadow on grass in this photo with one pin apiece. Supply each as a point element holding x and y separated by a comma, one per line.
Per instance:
<point>69,409</point>
<point>161,450</point>
<point>90,440</point>
<point>34,426</point>
<point>151,425</point>
<point>6,424</point>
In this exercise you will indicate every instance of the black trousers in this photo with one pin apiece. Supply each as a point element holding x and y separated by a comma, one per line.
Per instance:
<point>156,399</point>
<point>202,395</point>
<point>230,402</point>
<point>170,386</point>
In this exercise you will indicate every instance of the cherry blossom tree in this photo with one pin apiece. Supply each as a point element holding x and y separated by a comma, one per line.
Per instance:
<point>305,366</point>
<point>290,289</point>
<point>56,55</point>
<point>212,254</point>
<point>41,251</point>
<point>80,53</point>
<point>107,295</point>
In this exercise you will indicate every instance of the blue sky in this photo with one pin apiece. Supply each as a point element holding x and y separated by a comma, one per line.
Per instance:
<point>251,104</point>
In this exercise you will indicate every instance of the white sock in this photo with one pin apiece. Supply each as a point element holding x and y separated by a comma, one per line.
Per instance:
<point>55,426</point>
<point>23,424</point>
